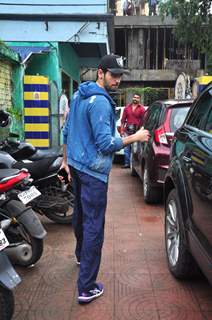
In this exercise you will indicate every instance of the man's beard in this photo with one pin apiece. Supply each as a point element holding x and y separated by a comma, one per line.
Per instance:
<point>135,102</point>
<point>110,88</point>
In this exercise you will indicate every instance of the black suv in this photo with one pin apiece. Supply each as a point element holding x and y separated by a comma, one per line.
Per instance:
<point>188,193</point>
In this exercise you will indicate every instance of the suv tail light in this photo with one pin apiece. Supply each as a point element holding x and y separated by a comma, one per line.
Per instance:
<point>160,136</point>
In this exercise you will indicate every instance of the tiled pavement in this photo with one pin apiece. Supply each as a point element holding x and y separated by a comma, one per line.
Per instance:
<point>138,285</point>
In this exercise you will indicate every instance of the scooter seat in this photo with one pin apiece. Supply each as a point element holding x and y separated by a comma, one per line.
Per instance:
<point>37,169</point>
<point>47,153</point>
<point>5,173</point>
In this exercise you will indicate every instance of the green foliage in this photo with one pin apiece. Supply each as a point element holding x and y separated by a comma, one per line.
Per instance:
<point>16,114</point>
<point>149,94</point>
<point>16,124</point>
<point>194,21</point>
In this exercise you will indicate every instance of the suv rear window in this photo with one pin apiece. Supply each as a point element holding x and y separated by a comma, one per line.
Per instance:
<point>177,117</point>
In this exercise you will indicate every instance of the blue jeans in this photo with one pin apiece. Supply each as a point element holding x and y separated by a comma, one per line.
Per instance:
<point>127,152</point>
<point>88,222</point>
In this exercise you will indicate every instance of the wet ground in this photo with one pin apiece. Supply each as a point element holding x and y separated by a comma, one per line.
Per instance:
<point>138,285</point>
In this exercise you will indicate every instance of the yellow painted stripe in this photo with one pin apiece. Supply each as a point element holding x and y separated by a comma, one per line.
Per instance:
<point>36,80</point>
<point>198,160</point>
<point>204,79</point>
<point>38,142</point>
<point>36,95</point>
<point>36,127</point>
<point>36,111</point>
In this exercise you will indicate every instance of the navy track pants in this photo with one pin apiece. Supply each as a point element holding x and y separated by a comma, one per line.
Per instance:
<point>88,222</point>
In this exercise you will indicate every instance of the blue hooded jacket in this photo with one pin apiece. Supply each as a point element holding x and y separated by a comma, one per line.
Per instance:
<point>89,132</point>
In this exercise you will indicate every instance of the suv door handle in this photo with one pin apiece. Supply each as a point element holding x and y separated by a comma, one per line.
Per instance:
<point>186,159</point>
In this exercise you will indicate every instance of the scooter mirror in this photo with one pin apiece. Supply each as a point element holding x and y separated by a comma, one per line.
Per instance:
<point>5,118</point>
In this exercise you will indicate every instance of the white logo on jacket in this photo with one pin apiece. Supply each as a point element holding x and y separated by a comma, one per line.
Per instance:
<point>92,99</point>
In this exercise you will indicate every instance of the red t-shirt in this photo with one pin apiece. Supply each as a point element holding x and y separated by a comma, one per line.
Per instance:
<point>133,117</point>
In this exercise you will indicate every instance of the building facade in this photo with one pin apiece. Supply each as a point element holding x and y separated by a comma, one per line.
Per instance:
<point>11,87</point>
<point>58,41</point>
<point>153,55</point>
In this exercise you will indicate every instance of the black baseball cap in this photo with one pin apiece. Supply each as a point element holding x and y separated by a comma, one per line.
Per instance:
<point>112,63</point>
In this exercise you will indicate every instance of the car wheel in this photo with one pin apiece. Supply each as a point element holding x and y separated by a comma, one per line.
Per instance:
<point>180,262</point>
<point>151,194</point>
<point>132,170</point>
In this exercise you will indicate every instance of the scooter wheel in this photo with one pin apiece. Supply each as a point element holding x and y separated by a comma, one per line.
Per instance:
<point>60,218</point>
<point>58,215</point>
<point>30,253</point>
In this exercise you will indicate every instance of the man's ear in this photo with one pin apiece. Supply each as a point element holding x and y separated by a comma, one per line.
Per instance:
<point>100,73</point>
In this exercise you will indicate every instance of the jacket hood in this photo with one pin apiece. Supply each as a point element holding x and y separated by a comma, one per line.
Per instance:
<point>90,88</point>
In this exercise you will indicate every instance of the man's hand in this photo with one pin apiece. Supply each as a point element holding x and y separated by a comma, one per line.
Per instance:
<point>64,166</point>
<point>122,133</point>
<point>142,135</point>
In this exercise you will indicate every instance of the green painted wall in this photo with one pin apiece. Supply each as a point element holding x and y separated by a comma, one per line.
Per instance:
<point>17,100</point>
<point>45,64</point>
<point>62,57</point>
<point>28,43</point>
<point>69,62</point>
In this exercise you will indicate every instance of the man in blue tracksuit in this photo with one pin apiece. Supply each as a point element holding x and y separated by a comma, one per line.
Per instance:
<point>89,145</point>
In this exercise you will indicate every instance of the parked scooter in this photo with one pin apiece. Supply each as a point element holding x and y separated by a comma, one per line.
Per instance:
<point>25,233</point>
<point>9,279</point>
<point>57,198</point>
<point>21,150</point>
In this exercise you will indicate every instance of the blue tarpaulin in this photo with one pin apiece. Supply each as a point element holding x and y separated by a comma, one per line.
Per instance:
<point>26,51</point>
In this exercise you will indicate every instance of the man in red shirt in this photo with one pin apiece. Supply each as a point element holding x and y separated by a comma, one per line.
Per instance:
<point>131,121</point>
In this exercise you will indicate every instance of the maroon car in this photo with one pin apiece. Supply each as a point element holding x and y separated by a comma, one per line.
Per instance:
<point>150,160</point>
